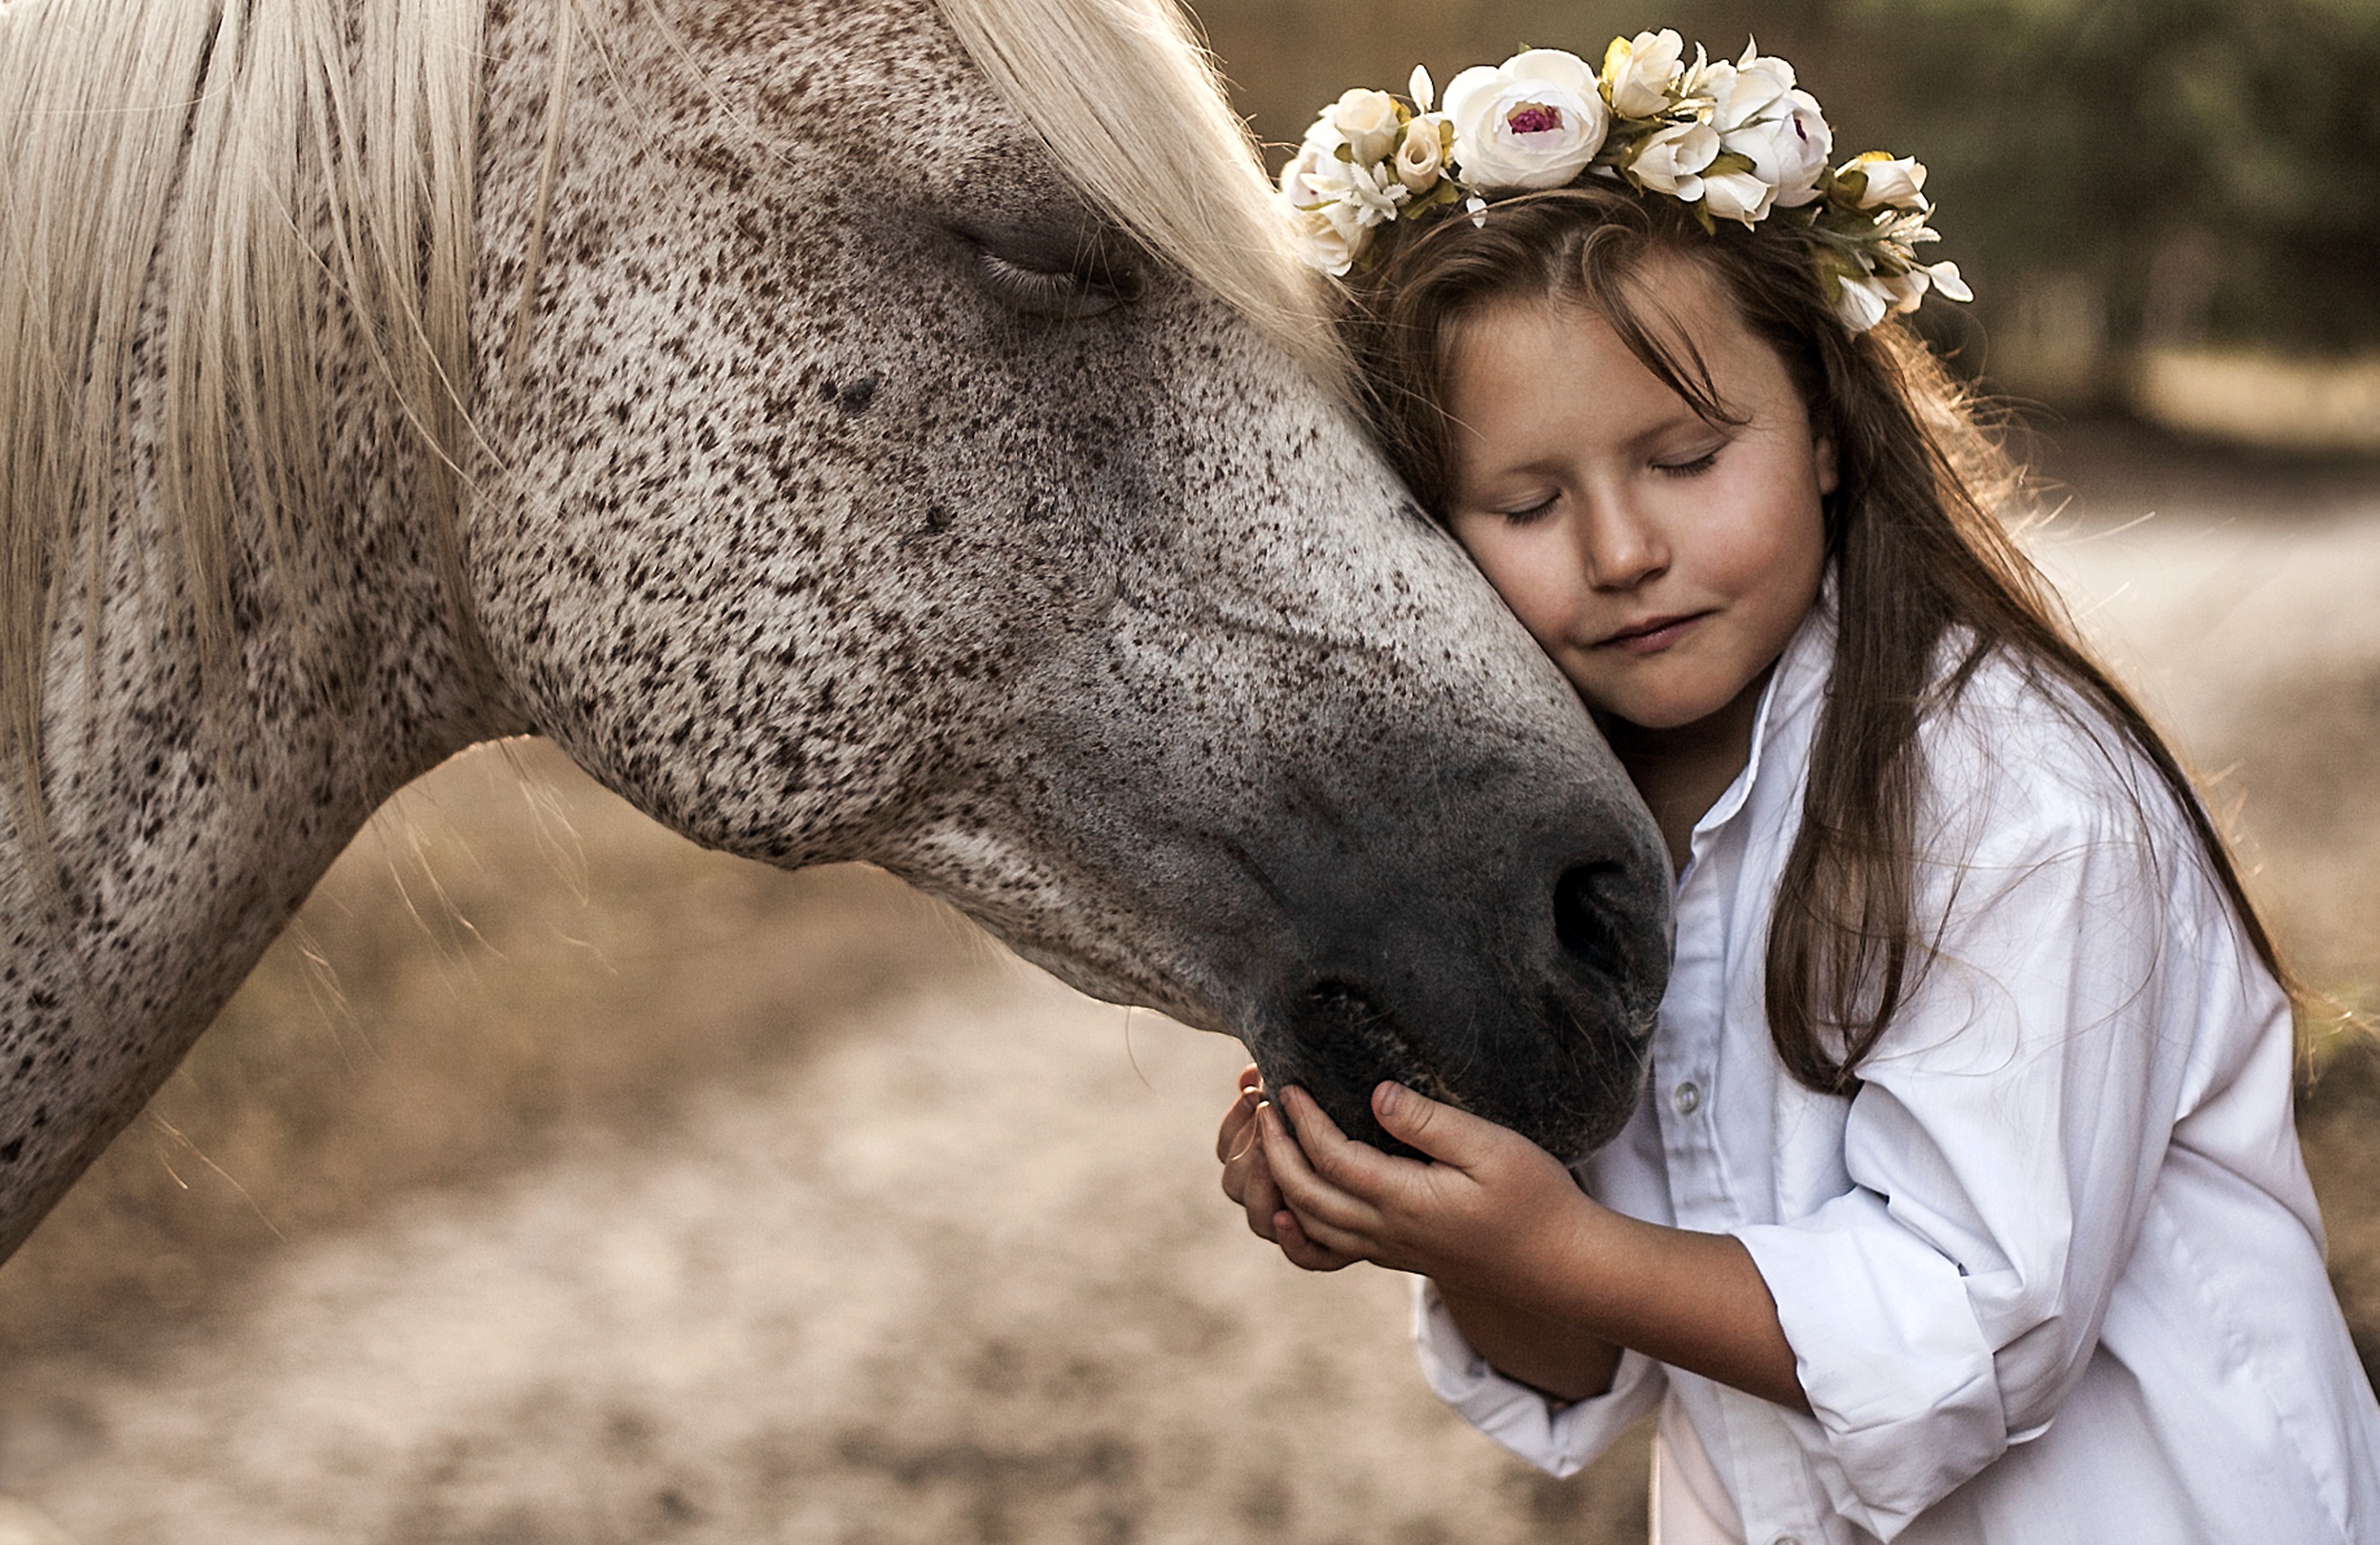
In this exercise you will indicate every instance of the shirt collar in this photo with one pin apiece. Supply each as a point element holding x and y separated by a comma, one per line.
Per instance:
<point>1782,722</point>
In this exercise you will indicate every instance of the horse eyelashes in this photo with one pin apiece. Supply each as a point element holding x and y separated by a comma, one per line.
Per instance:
<point>1071,295</point>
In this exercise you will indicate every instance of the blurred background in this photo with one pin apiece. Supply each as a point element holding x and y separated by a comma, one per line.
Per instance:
<point>555,1181</point>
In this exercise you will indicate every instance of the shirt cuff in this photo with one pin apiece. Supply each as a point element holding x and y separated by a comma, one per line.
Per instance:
<point>1890,1354</point>
<point>1561,1440</point>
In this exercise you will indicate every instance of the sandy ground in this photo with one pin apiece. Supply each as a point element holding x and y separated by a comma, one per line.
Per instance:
<point>559,1183</point>
<point>956,1280</point>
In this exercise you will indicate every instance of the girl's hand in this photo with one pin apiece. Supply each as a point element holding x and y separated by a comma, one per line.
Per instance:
<point>1492,1211</point>
<point>1248,1180</point>
<point>1498,1217</point>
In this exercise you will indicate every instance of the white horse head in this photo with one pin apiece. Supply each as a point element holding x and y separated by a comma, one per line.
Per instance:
<point>850,429</point>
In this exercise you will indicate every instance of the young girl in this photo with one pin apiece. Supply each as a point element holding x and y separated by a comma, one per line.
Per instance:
<point>1963,1201</point>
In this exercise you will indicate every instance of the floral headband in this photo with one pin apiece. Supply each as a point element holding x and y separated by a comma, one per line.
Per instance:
<point>1735,142</point>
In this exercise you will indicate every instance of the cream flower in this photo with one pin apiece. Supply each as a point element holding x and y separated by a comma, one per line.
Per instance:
<point>1737,196</point>
<point>1896,181</point>
<point>1672,160</point>
<point>1743,91</point>
<point>1296,175</point>
<point>1364,188</point>
<point>1863,303</point>
<point>1422,89</point>
<point>1421,155</point>
<point>1945,279</point>
<point>1639,71</point>
<point>1866,302</point>
<point>1534,121</point>
<point>1788,145</point>
<point>1366,123</point>
<point>1328,240</point>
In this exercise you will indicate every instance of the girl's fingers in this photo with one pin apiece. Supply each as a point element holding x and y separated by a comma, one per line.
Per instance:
<point>1303,1250</point>
<point>1447,1133</point>
<point>1248,1182</point>
<point>1313,1197</point>
<point>1238,1132</point>
<point>1345,1244</point>
<point>1356,1168</point>
<point>1264,1198</point>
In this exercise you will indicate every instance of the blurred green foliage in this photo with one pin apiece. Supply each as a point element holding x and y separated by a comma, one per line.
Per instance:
<point>2112,174</point>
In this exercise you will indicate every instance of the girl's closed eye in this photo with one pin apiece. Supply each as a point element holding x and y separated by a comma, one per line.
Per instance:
<point>1691,465</point>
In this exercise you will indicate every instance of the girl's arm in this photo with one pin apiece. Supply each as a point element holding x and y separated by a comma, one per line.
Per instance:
<point>1552,1358</point>
<point>1497,1219</point>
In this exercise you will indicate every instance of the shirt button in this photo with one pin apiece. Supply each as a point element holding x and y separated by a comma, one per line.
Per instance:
<point>1685,1099</point>
<point>1785,1540</point>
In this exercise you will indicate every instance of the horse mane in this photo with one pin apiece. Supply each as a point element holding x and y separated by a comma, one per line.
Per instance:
<point>1133,106</point>
<point>164,159</point>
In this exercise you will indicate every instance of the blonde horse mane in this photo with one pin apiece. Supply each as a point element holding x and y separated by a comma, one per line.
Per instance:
<point>170,154</point>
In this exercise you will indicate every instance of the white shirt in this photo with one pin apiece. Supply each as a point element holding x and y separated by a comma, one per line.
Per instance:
<point>2055,1272</point>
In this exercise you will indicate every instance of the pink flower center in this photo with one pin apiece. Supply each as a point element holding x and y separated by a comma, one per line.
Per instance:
<point>1534,118</point>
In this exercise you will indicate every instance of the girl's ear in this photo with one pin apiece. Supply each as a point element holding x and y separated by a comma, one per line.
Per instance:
<point>1822,456</point>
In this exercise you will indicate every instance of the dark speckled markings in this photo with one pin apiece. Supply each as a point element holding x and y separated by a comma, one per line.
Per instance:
<point>1111,629</point>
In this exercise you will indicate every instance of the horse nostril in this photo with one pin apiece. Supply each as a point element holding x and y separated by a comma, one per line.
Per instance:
<point>1588,901</point>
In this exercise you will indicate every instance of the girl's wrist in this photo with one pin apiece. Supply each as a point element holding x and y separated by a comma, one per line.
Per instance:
<point>1691,1299</point>
<point>1560,1362</point>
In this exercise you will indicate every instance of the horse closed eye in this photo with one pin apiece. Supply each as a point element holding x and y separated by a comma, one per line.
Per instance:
<point>1087,290</point>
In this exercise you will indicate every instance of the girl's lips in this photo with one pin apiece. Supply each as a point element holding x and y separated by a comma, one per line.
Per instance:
<point>1653,635</point>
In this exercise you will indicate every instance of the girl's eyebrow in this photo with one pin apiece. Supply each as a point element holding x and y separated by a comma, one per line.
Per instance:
<point>1684,418</point>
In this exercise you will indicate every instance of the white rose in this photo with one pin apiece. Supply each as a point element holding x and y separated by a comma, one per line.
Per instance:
<point>1533,121</point>
<point>1787,146</point>
<point>1897,181</point>
<point>1328,241</point>
<point>1672,159</point>
<point>1639,72</point>
<point>1422,89</point>
<point>1737,196</point>
<point>1421,156</point>
<point>1320,144</point>
<point>1747,89</point>
<point>1366,122</point>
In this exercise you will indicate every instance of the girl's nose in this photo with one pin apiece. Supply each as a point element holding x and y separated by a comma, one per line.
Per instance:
<point>1619,547</point>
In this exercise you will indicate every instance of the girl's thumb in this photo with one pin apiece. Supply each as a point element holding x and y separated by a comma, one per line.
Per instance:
<point>1414,1119</point>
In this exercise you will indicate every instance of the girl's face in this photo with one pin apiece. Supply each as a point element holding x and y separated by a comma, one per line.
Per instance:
<point>1663,561</point>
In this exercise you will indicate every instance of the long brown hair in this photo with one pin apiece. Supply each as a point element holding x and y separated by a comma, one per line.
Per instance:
<point>1913,535</point>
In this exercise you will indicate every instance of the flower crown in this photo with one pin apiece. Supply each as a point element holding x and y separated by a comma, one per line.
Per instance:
<point>1734,142</point>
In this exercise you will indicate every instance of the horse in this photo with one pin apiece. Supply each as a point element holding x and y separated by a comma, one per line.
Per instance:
<point>893,430</point>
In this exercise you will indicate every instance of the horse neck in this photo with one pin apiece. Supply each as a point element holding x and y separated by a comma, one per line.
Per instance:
<point>193,796</point>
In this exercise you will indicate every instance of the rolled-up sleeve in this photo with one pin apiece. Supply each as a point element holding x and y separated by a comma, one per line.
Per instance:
<point>2002,1149</point>
<point>1562,1439</point>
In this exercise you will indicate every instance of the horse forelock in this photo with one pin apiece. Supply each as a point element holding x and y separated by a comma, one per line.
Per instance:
<point>1132,107</point>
